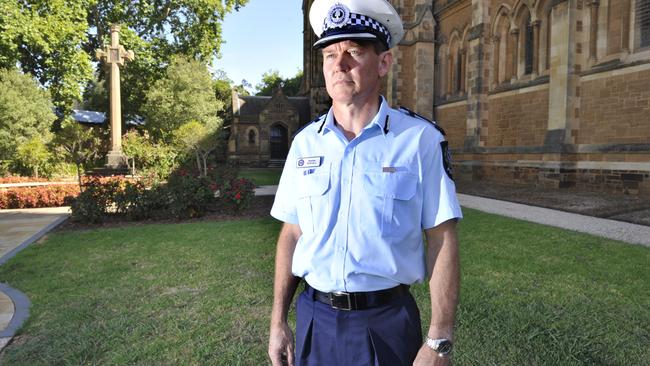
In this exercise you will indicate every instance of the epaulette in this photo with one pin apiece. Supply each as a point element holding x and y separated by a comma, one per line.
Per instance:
<point>309,124</point>
<point>415,115</point>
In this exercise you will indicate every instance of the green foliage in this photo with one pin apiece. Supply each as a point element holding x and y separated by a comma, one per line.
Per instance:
<point>93,202</point>
<point>272,80</point>
<point>45,38</point>
<point>185,94</point>
<point>56,40</point>
<point>79,144</point>
<point>25,112</point>
<point>33,154</point>
<point>189,196</point>
<point>199,140</point>
<point>148,158</point>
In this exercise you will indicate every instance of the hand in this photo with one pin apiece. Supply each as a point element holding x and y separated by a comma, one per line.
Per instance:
<point>281,345</point>
<point>427,357</point>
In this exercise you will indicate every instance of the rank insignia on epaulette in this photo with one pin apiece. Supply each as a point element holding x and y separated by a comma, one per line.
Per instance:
<point>308,124</point>
<point>415,115</point>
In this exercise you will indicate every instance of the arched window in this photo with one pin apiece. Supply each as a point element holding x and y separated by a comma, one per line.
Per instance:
<point>643,22</point>
<point>252,137</point>
<point>528,46</point>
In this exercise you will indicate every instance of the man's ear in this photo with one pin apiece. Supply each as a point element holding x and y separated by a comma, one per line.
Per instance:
<point>385,62</point>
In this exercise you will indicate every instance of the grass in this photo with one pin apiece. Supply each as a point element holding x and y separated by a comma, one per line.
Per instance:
<point>262,176</point>
<point>200,293</point>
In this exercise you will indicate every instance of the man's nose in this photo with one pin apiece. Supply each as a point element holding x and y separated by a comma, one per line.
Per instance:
<point>341,63</point>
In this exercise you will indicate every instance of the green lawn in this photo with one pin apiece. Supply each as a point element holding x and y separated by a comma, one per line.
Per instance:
<point>200,293</point>
<point>262,176</point>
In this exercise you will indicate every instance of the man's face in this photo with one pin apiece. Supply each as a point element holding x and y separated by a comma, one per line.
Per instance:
<point>352,72</point>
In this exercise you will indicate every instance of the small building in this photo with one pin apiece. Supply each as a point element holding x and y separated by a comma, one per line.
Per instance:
<point>263,126</point>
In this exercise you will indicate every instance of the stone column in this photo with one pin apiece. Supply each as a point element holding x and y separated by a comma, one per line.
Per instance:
<point>593,31</point>
<point>625,26</point>
<point>450,73</point>
<point>496,51</point>
<point>536,25</point>
<point>462,72</point>
<point>424,65</point>
<point>115,55</point>
<point>514,40</point>
<point>563,81</point>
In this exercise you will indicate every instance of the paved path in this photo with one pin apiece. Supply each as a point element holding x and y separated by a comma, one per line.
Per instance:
<point>611,229</point>
<point>18,229</point>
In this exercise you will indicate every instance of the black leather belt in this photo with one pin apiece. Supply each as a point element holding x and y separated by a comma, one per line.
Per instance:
<point>358,300</point>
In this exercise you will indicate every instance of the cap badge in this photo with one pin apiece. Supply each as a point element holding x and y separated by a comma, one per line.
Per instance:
<point>338,16</point>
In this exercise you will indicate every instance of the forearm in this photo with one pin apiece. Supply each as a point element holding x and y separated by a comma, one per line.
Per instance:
<point>444,283</point>
<point>285,283</point>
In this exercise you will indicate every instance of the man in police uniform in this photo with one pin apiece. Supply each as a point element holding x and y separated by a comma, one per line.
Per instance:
<point>359,187</point>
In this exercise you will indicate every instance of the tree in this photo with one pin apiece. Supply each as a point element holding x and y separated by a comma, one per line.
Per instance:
<point>25,112</point>
<point>33,154</point>
<point>80,144</point>
<point>185,94</point>
<point>45,38</point>
<point>196,138</point>
<point>272,80</point>
<point>148,157</point>
<point>54,40</point>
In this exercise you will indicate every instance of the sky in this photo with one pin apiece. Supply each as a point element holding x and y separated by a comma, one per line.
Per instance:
<point>263,35</point>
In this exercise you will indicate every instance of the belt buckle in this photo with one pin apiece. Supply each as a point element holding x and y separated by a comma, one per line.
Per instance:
<point>337,304</point>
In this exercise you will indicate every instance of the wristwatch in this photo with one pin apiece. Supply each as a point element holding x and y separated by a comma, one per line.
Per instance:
<point>442,346</point>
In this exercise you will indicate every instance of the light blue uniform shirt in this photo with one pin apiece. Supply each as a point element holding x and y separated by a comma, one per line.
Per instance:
<point>362,204</point>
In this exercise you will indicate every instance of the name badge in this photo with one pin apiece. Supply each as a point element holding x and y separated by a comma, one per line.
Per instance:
<point>312,162</point>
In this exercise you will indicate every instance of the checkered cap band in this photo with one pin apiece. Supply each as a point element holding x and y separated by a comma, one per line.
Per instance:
<point>363,21</point>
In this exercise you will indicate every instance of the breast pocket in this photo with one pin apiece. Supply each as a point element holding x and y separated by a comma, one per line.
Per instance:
<point>393,195</point>
<point>313,203</point>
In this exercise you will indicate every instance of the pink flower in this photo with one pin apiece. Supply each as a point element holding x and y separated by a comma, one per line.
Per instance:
<point>238,196</point>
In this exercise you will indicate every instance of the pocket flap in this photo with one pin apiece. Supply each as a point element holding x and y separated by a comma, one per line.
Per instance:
<point>315,184</point>
<point>398,185</point>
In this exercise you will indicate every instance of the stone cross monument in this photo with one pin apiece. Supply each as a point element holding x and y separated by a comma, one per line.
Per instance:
<point>115,55</point>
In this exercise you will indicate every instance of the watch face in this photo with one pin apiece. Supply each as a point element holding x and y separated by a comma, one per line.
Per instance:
<point>444,347</point>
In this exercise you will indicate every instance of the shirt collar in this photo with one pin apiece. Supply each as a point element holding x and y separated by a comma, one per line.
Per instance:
<point>380,119</point>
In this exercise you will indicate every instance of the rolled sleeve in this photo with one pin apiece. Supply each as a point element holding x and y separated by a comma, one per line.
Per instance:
<point>438,190</point>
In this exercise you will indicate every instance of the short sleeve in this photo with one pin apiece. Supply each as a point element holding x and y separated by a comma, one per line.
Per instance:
<point>438,189</point>
<point>284,205</point>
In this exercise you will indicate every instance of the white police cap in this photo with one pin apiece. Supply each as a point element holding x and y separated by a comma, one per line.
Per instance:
<point>337,20</point>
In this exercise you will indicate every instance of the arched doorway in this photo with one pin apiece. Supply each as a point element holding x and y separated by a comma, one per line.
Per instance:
<point>279,141</point>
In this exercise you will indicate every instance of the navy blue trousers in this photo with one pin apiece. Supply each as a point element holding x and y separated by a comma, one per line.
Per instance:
<point>388,335</point>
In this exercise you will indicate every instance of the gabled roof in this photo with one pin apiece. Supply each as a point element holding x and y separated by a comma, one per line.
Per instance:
<point>254,105</point>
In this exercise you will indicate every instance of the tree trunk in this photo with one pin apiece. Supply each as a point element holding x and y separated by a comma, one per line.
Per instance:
<point>198,162</point>
<point>81,188</point>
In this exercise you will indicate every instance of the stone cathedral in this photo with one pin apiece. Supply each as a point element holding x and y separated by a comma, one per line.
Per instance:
<point>552,93</point>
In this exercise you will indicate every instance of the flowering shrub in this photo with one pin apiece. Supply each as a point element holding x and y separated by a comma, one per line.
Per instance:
<point>235,195</point>
<point>97,197</point>
<point>36,197</point>
<point>188,196</point>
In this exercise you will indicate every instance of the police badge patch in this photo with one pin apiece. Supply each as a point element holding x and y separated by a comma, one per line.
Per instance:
<point>446,159</point>
<point>338,16</point>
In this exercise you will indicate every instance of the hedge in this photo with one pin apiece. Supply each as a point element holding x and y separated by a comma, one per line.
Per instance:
<point>37,197</point>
